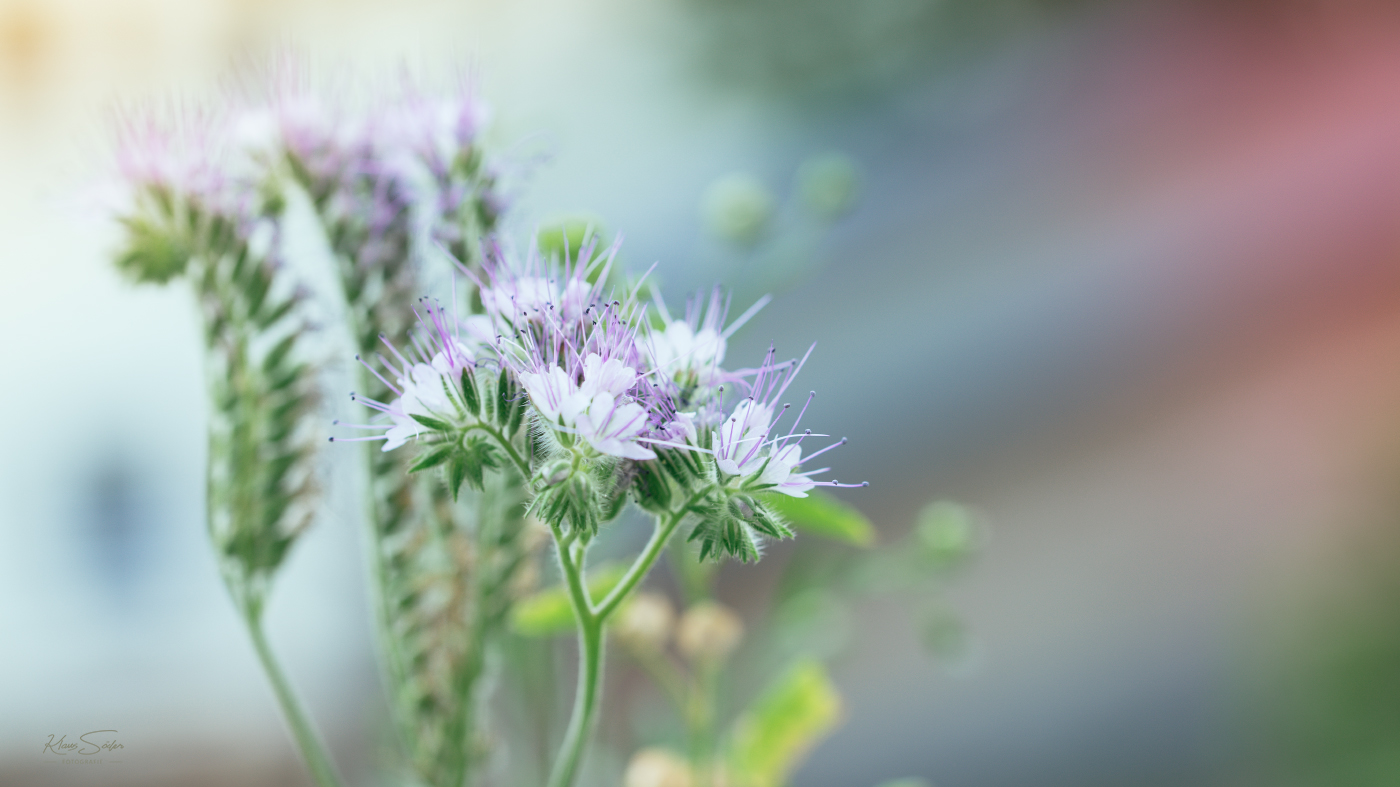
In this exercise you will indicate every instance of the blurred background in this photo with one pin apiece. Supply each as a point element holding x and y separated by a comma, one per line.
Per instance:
<point>1122,275</point>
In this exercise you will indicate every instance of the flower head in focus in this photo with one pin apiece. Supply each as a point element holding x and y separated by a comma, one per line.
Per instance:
<point>689,351</point>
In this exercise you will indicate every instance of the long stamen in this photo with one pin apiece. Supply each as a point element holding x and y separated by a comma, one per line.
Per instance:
<point>810,396</point>
<point>816,454</point>
<point>379,377</point>
<point>402,360</point>
<point>746,316</point>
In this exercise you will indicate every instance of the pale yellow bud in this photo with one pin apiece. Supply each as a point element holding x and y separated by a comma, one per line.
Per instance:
<point>709,632</point>
<point>657,768</point>
<point>646,622</point>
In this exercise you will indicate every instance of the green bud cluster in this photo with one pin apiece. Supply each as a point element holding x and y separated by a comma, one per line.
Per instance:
<point>730,520</point>
<point>260,480</point>
<point>433,659</point>
<point>575,486</point>
<point>731,523</point>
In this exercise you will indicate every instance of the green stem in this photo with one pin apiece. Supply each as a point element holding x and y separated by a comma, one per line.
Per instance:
<point>591,621</point>
<point>667,676</point>
<point>520,463</point>
<point>639,568</point>
<point>590,645</point>
<point>310,744</point>
<point>390,658</point>
<point>700,721</point>
<point>590,670</point>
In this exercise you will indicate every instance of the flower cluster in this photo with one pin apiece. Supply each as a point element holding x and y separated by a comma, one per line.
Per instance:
<point>188,210</point>
<point>621,400</point>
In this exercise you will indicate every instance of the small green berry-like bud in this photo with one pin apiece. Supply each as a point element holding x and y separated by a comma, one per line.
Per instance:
<point>568,234</point>
<point>645,623</point>
<point>946,532</point>
<point>828,185</point>
<point>709,632</point>
<point>738,208</point>
<point>657,768</point>
<point>557,472</point>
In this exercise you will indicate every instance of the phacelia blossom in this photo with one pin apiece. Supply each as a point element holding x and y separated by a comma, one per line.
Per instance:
<point>689,351</point>
<point>425,379</point>
<point>742,444</point>
<point>180,154</point>
<point>595,407</point>
<point>555,306</point>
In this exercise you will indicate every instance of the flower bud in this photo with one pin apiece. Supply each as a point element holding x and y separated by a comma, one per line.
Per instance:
<point>657,768</point>
<point>709,632</point>
<point>556,472</point>
<point>828,185</point>
<point>738,208</point>
<point>645,623</point>
<point>946,533</point>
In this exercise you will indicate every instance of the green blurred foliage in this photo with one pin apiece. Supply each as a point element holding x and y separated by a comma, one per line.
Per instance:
<point>795,712</point>
<point>945,533</point>
<point>738,208</point>
<point>820,514</point>
<point>548,613</point>
<point>1326,681</point>
<point>823,49</point>
<point>828,185</point>
<point>563,237</point>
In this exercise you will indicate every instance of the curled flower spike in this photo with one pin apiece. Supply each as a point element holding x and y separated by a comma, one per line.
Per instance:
<point>534,296</point>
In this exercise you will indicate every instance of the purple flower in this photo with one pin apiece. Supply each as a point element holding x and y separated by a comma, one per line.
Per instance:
<point>426,379</point>
<point>744,447</point>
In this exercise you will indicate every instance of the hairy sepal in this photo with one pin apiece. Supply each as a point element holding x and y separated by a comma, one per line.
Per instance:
<point>733,524</point>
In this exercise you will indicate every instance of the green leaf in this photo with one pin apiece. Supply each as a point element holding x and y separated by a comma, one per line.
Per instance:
<point>457,471</point>
<point>469,392</point>
<point>548,612</point>
<point>432,423</point>
<point>795,712</point>
<point>823,515</point>
<point>432,458</point>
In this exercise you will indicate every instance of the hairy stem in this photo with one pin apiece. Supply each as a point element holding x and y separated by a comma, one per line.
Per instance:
<point>504,442</point>
<point>307,740</point>
<point>639,568</point>
<point>590,671</point>
<point>591,622</point>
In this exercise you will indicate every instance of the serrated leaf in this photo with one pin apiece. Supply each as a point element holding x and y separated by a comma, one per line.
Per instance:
<point>432,458</point>
<point>456,473</point>
<point>795,712</point>
<point>822,515</point>
<point>548,612</point>
<point>432,423</point>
